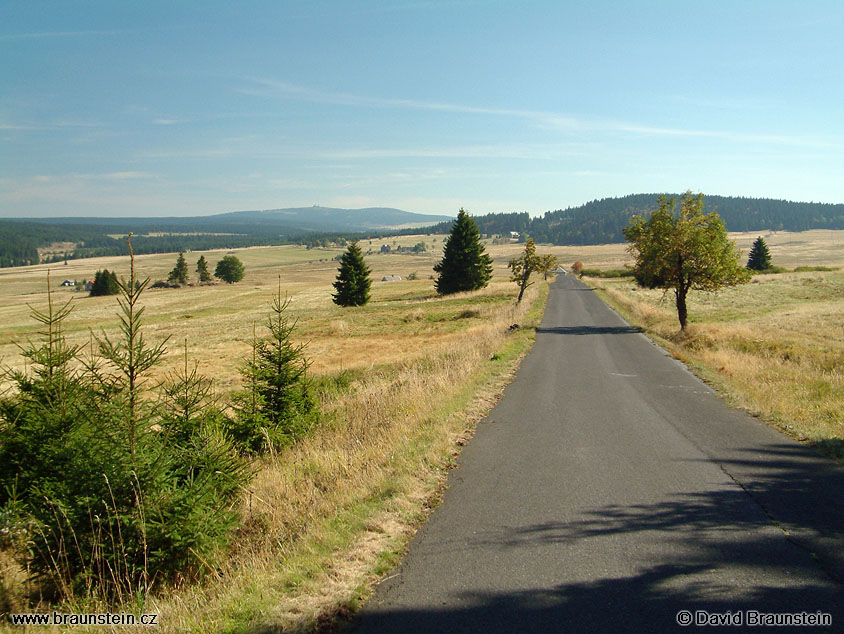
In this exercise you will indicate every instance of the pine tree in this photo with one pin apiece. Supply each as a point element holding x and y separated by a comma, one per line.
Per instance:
<point>105,283</point>
<point>353,281</point>
<point>760,257</point>
<point>277,404</point>
<point>202,270</point>
<point>179,274</point>
<point>465,266</point>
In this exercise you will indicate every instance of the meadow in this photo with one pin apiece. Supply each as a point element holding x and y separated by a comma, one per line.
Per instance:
<point>400,382</point>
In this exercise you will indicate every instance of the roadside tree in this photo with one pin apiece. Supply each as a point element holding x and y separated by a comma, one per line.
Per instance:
<point>522,266</point>
<point>548,263</point>
<point>353,283</point>
<point>229,269</point>
<point>465,266</point>
<point>683,251</point>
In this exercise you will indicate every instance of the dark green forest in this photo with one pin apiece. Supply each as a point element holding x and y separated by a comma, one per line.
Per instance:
<point>602,221</point>
<point>20,240</point>
<point>596,222</point>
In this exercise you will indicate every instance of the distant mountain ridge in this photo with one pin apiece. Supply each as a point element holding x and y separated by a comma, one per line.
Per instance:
<point>293,219</point>
<point>318,218</point>
<point>20,239</point>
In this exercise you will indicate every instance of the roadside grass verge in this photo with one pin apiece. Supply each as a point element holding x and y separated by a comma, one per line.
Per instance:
<point>774,347</point>
<point>325,518</point>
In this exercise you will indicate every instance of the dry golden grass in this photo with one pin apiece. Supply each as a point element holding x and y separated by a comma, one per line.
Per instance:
<point>323,519</point>
<point>217,320</point>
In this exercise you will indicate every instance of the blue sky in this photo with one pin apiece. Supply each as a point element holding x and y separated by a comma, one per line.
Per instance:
<point>187,108</point>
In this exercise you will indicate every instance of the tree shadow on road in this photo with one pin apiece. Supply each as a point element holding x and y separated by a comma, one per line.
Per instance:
<point>783,546</point>
<point>589,330</point>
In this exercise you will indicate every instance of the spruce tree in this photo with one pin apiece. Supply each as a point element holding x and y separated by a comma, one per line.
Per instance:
<point>105,283</point>
<point>760,257</point>
<point>352,284</point>
<point>202,270</point>
<point>179,274</point>
<point>465,266</point>
<point>277,404</point>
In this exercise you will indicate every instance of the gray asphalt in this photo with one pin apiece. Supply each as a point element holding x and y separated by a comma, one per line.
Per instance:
<point>610,489</point>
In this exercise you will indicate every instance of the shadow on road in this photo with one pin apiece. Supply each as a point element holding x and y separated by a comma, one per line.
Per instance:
<point>642,603</point>
<point>797,507</point>
<point>590,330</point>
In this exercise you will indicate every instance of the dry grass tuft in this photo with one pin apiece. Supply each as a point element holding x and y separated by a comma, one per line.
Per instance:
<point>338,328</point>
<point>414,315</point>
<point>471,313</point>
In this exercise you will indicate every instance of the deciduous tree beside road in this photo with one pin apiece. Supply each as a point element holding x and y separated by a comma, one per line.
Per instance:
<point>684,251</point>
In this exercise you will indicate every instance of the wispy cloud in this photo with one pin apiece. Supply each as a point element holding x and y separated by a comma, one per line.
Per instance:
<point>58,186</point>
<point>120,176</point>
<point>11,37</point>
<point>272,87</point>
<point>526,151</point>
<point>266,87</point>
<point>47,125</point>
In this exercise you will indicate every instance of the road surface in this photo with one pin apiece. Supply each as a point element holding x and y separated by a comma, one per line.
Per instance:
<point>608,491</point>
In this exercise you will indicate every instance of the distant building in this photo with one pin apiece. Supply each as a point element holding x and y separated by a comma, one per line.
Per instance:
<point>514,235</point>
<point>391,278</point>
<point>68,283</point>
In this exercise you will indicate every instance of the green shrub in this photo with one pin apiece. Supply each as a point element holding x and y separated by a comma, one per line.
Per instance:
<point>810,269</point>
<point>610,273</point>
<point>116,494</point>
<point>772,270</point>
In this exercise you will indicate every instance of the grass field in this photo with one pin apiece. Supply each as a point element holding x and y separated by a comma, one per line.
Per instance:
<point>403,321</point>
<point>774,347</point>
<point>400,381</point>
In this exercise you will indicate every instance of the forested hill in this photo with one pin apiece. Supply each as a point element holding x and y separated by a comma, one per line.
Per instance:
<point>602,221</point>
<point>25,242</point>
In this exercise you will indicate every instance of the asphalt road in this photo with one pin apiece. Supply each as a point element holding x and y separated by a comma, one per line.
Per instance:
<point>609,490</point>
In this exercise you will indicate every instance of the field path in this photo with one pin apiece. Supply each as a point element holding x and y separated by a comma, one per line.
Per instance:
<point>610,489</point>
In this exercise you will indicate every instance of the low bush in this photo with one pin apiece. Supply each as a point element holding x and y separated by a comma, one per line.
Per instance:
<point>810,269</point>
<point>610,273</point>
